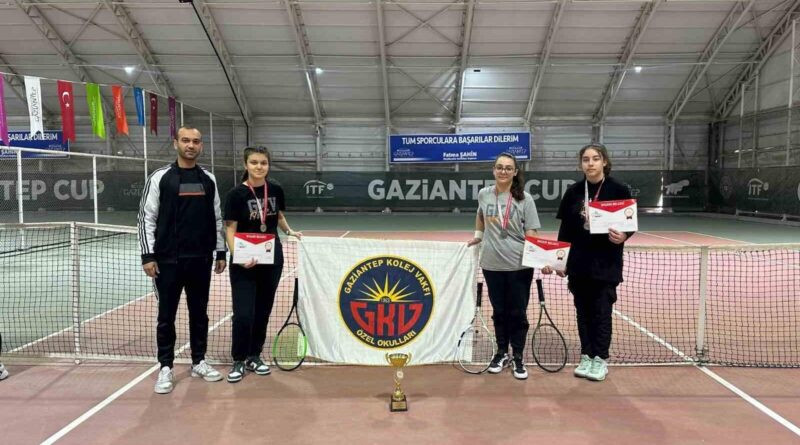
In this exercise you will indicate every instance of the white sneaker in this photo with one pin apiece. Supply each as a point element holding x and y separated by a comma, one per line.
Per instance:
<point>584,366</point>
<point>598,371</point>
<point>205,371</point>
<point>499,362</point>
<point>164,383</point>
<point>3,372</point>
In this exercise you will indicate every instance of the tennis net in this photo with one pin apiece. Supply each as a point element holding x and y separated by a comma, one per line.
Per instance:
<point>74,290</point>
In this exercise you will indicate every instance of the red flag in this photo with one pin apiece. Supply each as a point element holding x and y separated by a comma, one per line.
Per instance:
<point>119,110</point>
<point>67,101</point>
<point>153,113</point>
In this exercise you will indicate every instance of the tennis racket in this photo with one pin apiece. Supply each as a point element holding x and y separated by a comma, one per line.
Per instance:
<point>290,346</point>
<point>549,346</point>
<point>476,346</point>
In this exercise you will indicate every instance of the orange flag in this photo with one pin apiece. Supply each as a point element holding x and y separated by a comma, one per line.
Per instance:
<point>119,110</point>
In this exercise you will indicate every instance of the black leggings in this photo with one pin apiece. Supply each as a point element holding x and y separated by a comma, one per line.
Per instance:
<point>509,292</point>
<point>594,303</point>
<point>253,295</point>
<point>193,275</point>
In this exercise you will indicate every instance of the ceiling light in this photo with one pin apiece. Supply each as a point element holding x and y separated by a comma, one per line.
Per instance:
<point>318,70</point>
<point>130,69</point>
<point>638,69</point>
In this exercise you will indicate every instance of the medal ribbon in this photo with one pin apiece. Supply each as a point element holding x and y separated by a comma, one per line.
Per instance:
<point>262,213</point>
<point>504,223</point>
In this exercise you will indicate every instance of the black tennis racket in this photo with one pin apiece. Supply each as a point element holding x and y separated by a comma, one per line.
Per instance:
<point>290,346</point>
<point>476,346</point>
<point>549,346</point>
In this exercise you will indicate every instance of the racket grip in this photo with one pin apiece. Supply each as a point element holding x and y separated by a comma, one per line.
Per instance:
<point>540,290</point>
<point>480,293</point>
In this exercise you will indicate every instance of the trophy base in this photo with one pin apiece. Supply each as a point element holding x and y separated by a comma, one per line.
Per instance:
<point>398,405</point>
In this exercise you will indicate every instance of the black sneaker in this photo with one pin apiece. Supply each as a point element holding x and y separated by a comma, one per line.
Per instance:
<point>499,362</point>
<point>255,364</point>
<point>237,372</point>
<point>520,373</point>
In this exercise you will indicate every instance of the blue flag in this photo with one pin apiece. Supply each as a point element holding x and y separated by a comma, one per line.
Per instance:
<point>139,98</point>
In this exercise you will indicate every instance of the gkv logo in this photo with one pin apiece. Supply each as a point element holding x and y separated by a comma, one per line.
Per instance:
<point>755,186</point>
<point>316,187</point>
<point>386,301</point>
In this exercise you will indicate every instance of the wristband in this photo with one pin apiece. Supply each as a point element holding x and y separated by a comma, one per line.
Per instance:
<point>479,234</point>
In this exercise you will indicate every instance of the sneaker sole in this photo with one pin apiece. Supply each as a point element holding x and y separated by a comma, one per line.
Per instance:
<point>206,378</point>
<point>4,375</point>
<point>268,372</point>
<point>163,391</point>
<point>234,380</point>
<point>518,377</point>
<point>579,375</point>
<point>596,379</point>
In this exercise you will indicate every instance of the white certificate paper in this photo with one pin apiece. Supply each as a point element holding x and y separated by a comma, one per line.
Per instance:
<point>540,252</point>
<point>618,215</point>
<point>249,246</point>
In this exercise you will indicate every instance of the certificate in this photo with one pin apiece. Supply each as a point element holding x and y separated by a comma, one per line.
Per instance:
<point>618,215</point>
<point>540,252</point>
<point>249,246</point>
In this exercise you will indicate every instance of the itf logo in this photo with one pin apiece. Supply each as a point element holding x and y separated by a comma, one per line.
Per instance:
<point>755,186</point>
<point>317,188</point>
<point>386,301</point>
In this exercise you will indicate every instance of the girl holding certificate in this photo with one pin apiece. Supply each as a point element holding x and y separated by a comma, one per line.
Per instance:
<point>594,265</point>
<point>254,207</point>
<point>506,214</point>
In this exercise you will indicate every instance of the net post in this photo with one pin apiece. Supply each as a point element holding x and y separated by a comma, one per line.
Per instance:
<point>700,347</point>
<point>95,199</point>
<point>20,208</point>
<point>75,287</point>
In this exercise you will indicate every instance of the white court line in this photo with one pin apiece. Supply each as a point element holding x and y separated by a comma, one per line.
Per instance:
<point>737,241</point>
<point>114,309</point>
<point>746,397</point>
<point>95,409</point>
<point>751,400</point>
<point>680,241</point>
<point>344,234</point>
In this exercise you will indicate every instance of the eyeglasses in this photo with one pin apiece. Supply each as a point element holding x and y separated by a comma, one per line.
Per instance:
<point>507,168</point>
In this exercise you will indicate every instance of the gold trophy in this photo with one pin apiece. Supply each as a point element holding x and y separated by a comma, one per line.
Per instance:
<point>398,360</point>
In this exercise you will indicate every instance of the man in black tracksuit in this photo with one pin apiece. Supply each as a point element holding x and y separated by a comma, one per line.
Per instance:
<point>180,228</point>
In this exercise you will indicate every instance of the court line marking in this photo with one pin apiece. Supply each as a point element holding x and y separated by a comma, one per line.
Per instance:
<point>118,393</point>
<point>344,234</point>
<point>751,400</point>
<point>721,237</point>
<point>679,241</point>
<point>72,326</point>
<point>728,385</point>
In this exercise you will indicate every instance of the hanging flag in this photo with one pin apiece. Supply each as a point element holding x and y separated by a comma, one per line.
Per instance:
<point>138,97</point>
<point>3,121</point>
<point>96,109</point>
<point>33,92</point>
<point>67,101</point>
<point>172,127</point>
<point>119,110</point>
<point>153,113</point>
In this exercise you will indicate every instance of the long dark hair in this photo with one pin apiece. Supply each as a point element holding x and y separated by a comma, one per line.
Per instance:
<point>600,148</point>
<point>518,182</point>
<point>253,150</point>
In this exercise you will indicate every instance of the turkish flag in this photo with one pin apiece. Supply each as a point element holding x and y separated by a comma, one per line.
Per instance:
<point>67,101</point>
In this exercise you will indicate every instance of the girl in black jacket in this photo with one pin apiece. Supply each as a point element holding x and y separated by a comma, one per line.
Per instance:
<point>594,265</point>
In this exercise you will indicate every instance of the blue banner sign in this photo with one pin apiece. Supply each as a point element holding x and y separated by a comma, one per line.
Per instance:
<point>411,148</point>
<point>50,140</point>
